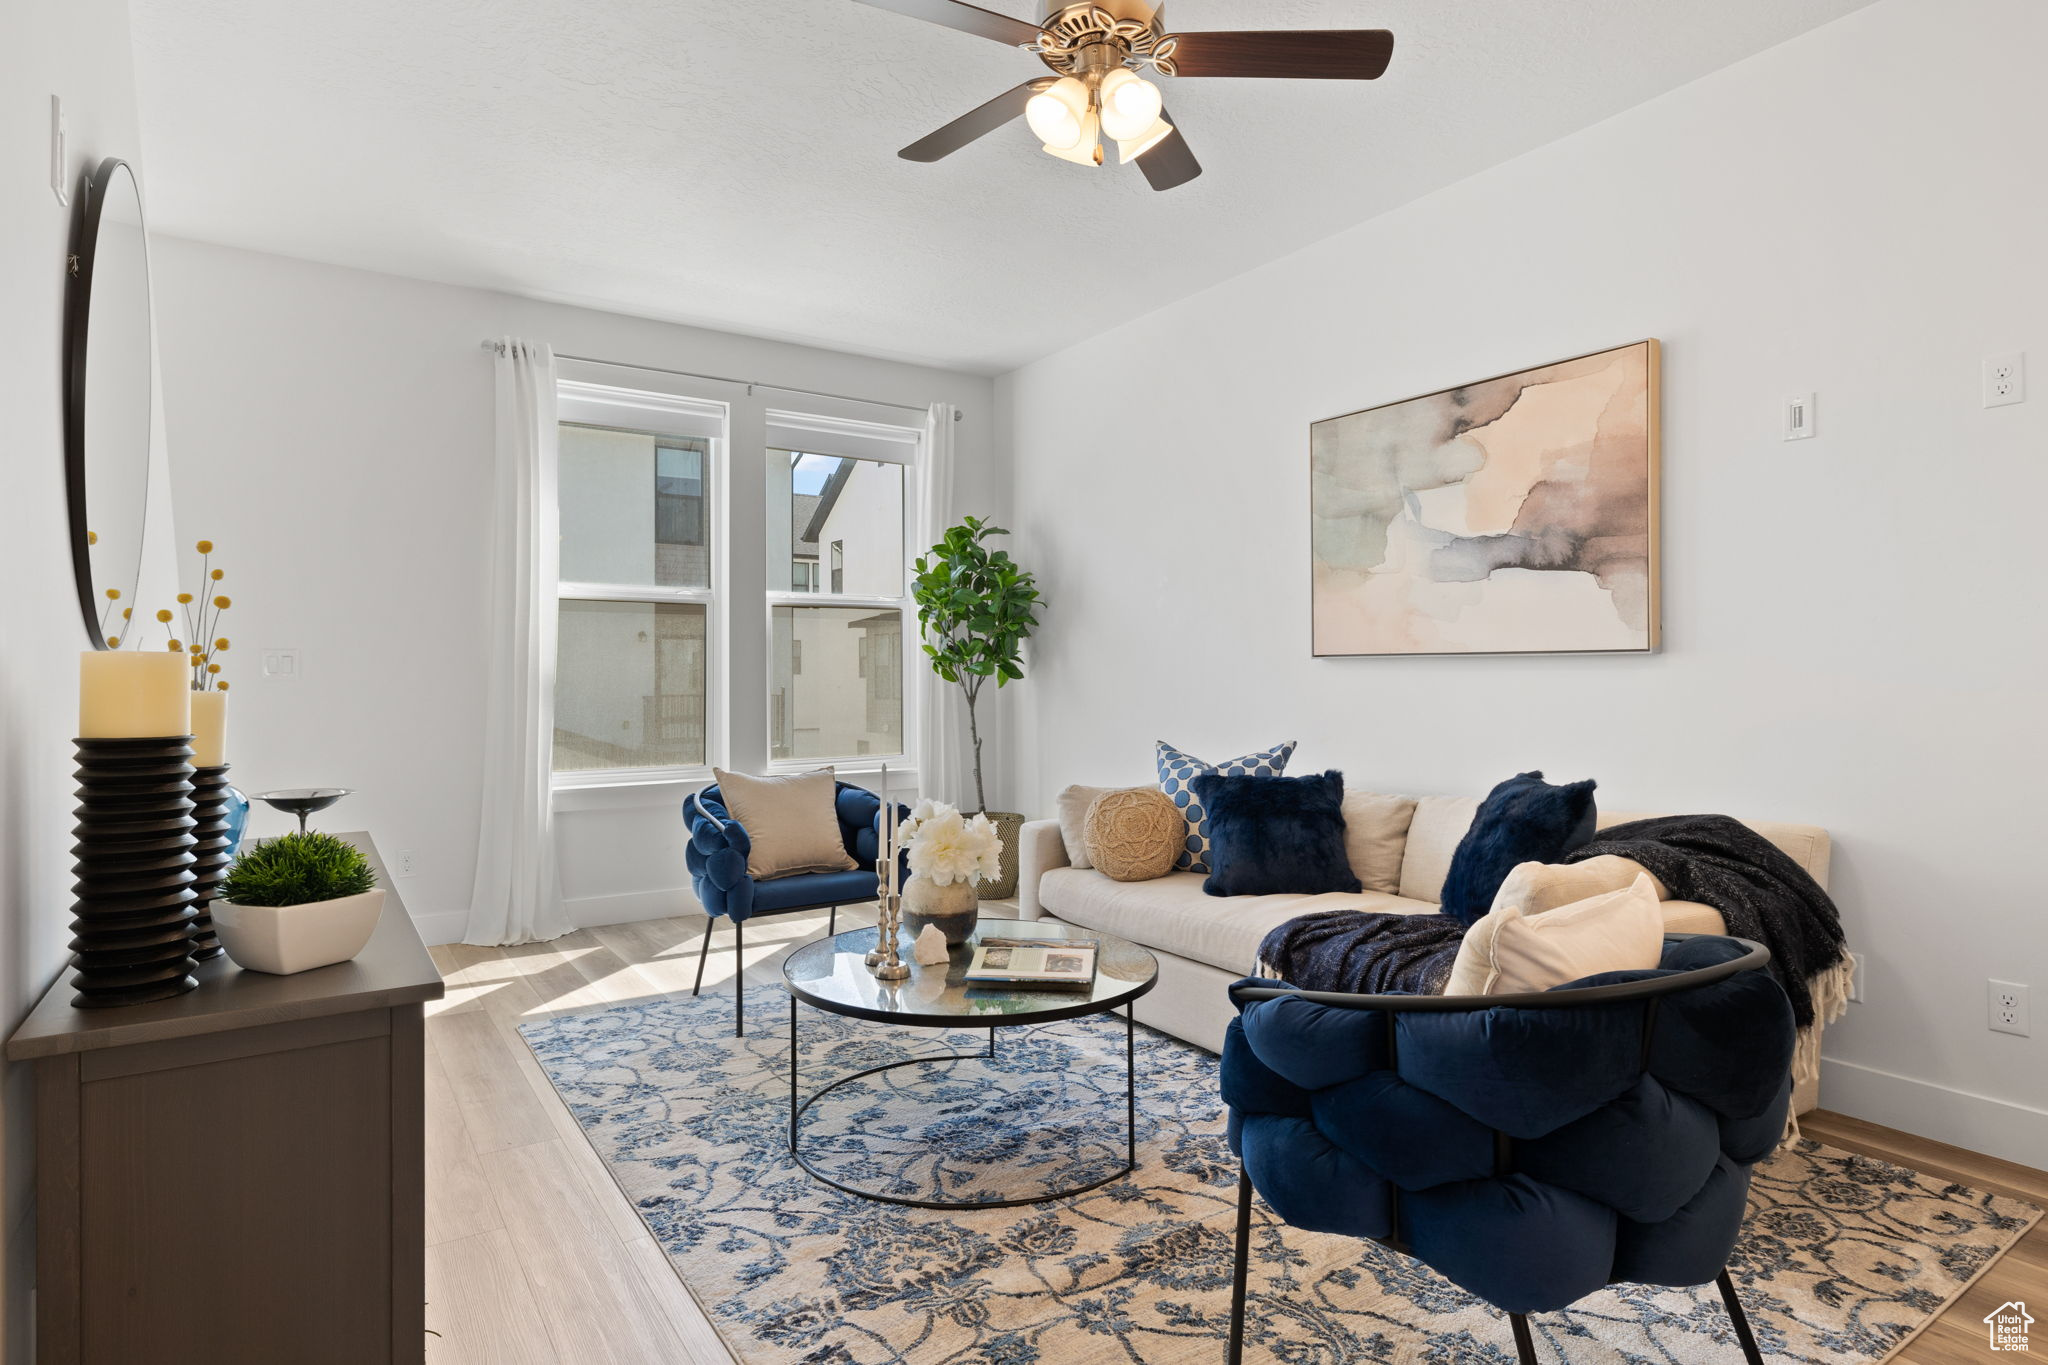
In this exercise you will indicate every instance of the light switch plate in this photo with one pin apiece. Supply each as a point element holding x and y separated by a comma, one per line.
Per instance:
<point>281,663</point>
<point>1799,417</point>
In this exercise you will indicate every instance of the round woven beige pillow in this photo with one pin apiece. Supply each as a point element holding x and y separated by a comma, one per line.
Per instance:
<point>1133,836</point>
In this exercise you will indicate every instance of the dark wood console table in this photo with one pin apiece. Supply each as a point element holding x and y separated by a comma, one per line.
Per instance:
<point>235,1177</point>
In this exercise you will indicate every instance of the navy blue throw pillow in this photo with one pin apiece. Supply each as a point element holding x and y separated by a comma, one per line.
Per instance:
<point>1274,835</point>
<point>1523,820</point>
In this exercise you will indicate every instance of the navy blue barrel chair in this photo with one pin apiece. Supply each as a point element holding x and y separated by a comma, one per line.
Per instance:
<point>1530,1148</point>
<point>717,860</point>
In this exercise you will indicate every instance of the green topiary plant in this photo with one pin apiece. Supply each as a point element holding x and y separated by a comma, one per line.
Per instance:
<point>298,869</point>
<point>974,606</point>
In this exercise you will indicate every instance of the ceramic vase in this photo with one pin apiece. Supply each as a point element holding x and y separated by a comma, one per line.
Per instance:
<point>953,909</point>
<point>287,939</point>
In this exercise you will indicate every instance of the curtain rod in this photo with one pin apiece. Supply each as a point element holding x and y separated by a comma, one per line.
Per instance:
<point>751,384</point>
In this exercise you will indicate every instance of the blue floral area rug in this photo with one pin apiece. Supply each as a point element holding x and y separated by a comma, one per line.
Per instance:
<point>1844,1258</point>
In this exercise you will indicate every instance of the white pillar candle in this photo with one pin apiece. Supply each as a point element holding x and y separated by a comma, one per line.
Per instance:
<point>888,836</point>
<point>209,729</point>
<point>126,694</point>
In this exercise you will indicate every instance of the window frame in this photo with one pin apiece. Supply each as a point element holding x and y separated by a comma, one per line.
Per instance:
<point>874,442</point>
<point>638,414</point>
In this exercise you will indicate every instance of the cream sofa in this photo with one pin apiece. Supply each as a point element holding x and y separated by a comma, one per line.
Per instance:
<point>1400,848</point>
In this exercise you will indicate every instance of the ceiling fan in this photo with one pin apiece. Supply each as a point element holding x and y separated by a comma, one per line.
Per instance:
<point>1096,50</point>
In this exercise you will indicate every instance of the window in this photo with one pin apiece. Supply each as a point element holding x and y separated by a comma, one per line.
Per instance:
<point>646,667</point>
<point>633,658</point>
<point>837,656</point>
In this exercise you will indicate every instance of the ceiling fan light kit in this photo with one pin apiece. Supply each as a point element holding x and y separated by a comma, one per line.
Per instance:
<point>1096,52</point>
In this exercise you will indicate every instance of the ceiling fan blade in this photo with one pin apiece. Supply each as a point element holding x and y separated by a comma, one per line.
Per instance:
<point>1172,163</point>
<point>976,123</point>
<point>1357,54</point>
<point>967,18</point>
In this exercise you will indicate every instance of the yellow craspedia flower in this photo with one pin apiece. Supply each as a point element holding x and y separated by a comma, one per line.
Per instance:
<point>205,547</point>
<point>218,574</point>
<point>213,668</point>
<point>163,614</point>
<point>92,537</point>
<point>114,642</point>
<point>184,599</point>
<point>113,594</point>
<point>174,646</point>
<point>127,612</point>
<point>220,644</point>
<point>222,686</point>
<point>223,602</point>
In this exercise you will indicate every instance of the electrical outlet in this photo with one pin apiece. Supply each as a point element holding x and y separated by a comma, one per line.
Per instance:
<point>1856,978</point>
<point>1799,417</point>
<point>2006,1008</point>
<point>2005,379</point>
<point>403,864</point>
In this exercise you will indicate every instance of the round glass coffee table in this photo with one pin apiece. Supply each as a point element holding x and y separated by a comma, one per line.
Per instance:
<point>832,975</point>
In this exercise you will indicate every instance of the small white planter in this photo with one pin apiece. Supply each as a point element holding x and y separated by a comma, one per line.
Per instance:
<point>283,939</point>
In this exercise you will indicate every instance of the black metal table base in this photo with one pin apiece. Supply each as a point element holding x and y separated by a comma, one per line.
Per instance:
<point>798,1108</point>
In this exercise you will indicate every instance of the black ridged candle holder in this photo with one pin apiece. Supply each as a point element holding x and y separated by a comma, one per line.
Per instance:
<point>132,919</point>
<point>210,854</point>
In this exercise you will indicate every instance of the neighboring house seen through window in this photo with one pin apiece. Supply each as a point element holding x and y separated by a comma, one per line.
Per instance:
<point>641,684</point>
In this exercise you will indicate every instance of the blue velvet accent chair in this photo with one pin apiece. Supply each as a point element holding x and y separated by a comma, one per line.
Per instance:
<point>717,859</point>
<point>1531,1148</point>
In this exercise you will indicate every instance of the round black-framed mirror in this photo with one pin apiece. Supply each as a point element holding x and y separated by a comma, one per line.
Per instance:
<point>109,404</point>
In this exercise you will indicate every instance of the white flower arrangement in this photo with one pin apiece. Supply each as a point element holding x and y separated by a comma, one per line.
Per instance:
<point>947,847</point>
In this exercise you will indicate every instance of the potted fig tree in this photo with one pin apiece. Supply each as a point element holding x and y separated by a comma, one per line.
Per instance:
<point>975,609</point>
<point>297,902</point>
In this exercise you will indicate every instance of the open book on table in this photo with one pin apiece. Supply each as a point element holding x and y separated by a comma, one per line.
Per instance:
<point>1060,964</point>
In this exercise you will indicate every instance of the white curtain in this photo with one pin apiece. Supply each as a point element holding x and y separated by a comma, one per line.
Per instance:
<point>945,767</point>
<point>518,896</point>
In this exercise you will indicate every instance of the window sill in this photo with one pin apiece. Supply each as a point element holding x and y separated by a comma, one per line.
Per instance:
<point>623,791</point>
<point>615,791</point>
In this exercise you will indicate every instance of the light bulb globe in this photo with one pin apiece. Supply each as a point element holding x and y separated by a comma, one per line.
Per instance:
<point>1131,148</point>
<point>1130,104</point>
<point>1057,114</point>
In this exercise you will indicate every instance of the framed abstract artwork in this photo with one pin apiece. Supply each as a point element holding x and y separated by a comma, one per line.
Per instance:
<point>1515,515</point>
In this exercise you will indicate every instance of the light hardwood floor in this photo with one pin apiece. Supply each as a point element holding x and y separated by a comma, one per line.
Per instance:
<point>534,1257</point>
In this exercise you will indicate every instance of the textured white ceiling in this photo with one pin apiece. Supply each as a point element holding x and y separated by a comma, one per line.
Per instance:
<point>733,164</point>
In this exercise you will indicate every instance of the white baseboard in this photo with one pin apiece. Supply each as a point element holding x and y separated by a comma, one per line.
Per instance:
<point>587,912</point>
<point>441,926</point>
<point>1980,1123</point>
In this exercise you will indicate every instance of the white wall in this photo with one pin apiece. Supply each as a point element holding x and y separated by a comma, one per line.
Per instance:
<point>331,432</point>
<point>77,49</point>
<point>1854,627</point>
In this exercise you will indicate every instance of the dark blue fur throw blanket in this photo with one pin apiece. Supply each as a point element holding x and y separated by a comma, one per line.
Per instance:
<point>1760,891</point>
<point>1375,952</point>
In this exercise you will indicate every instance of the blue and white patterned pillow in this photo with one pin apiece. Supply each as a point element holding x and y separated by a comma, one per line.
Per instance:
<point>1177,772</point>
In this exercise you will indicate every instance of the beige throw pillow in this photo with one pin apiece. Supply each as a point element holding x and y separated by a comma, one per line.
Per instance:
<point>1073,813</point>
<point>1134,835</point>
<point>1433,836</point>
<point>1508,951</point>
<point>793,822</point>
<point>1534,888</point>
<point>1375,837</point>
